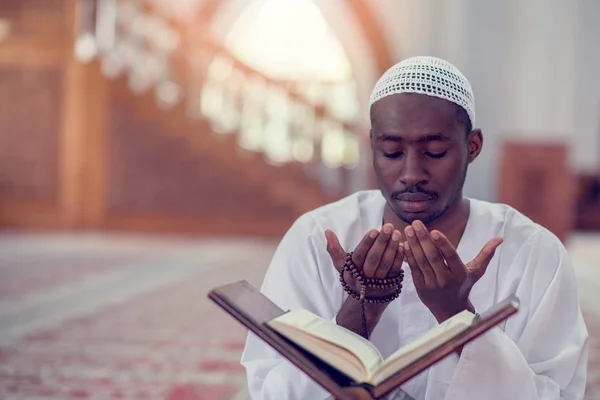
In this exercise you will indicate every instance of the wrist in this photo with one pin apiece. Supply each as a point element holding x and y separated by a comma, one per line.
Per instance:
<point>350,315</point>
<point>373,312</point>
<point>442,314</point>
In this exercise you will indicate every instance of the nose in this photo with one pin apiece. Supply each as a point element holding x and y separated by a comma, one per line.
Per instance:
<point>413,170</point>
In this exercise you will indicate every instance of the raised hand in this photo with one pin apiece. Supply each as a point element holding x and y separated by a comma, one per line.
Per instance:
<point>379,255</point>
<point>443,282</point>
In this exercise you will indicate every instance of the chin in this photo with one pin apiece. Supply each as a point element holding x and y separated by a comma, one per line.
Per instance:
<point>425,216</point>
<point>412,217</point>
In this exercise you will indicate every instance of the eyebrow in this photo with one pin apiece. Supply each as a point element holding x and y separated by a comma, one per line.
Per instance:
<point>434,137</point>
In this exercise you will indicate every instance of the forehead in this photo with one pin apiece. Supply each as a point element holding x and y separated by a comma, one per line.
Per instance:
<point>413,114</point>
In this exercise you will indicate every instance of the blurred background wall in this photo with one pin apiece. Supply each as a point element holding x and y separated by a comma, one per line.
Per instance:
<point>235,117</point>
<point>226,120</point>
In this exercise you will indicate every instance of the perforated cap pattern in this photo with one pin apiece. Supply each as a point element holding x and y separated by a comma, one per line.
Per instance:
<point>427,75</point>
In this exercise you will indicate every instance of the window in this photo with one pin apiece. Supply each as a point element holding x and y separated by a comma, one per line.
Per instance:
<point>304,69</point>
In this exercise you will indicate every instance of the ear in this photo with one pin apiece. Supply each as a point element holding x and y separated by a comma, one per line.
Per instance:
<point>474,144</point>
<point>371,137</point>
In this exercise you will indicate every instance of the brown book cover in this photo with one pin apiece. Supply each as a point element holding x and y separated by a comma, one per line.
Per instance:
<point>251,308</point>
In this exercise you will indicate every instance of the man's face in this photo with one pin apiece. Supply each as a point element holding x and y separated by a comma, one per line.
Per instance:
<point>420,154</point>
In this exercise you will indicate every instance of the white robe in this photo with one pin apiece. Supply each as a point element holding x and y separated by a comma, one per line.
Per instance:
<point>539,353</point>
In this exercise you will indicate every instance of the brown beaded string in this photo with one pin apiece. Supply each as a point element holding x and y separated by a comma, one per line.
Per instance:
<point>371,283</point>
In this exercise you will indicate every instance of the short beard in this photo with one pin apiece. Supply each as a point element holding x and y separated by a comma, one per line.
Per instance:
<point>432,217</point>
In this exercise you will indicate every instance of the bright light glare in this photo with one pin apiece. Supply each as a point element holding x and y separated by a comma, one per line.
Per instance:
<point>289,39</point>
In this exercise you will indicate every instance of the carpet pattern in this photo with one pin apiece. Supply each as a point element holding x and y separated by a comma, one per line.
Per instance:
<point>124,317</point>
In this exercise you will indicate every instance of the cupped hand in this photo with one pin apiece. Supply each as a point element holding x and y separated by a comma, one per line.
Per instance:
<point>443,282</point>
<point>378,255</point>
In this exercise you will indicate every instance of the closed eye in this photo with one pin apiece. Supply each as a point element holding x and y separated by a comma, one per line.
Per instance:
<point>393,155</point>
<point>436,155</point>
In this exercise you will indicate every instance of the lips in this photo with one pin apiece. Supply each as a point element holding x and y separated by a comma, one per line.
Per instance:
<point>414,197</point>
<point>415,202</point>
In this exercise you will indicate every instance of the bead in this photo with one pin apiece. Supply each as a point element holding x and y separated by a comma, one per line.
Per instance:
<point>371,283</point>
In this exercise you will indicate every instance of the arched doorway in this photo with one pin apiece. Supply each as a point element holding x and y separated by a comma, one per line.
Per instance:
<point>321,51</point>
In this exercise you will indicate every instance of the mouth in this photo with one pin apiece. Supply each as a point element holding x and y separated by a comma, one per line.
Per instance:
<point>415,202</point>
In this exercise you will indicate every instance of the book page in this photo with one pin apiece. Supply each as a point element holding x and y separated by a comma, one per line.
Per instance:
<point>328,331</point>
<point>424,344</point>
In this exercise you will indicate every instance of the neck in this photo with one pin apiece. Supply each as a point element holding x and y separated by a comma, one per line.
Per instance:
<point>452,223</point>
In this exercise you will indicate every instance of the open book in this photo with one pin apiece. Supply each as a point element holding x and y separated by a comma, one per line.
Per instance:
<point>337,358</point>
<point>354,355</point>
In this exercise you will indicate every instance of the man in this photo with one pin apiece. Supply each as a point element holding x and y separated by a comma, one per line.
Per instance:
<point>458,254</point>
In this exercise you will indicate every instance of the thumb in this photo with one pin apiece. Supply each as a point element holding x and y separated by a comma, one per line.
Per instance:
<point>479,264</point>
<point>335,250</point>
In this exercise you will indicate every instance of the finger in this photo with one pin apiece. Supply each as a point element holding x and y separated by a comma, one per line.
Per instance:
<point>432,254</point>
<point>335,250</point>
<point>397,266</point>
<point>387,260</point>
<point>360,253</point>
<point>419,257</point>
<point>417,274</point>
<point>455,264</point>
<point>478,266</point>
<point>376,251</point>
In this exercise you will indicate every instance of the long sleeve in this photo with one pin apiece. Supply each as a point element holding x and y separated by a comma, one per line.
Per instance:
<point>293,280</point>
<point>542,352</point>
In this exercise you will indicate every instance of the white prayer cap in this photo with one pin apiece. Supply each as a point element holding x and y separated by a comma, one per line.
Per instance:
<point>427,75</point>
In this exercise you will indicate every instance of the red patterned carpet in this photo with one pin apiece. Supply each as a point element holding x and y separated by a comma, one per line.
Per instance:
<point>97,317</point>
